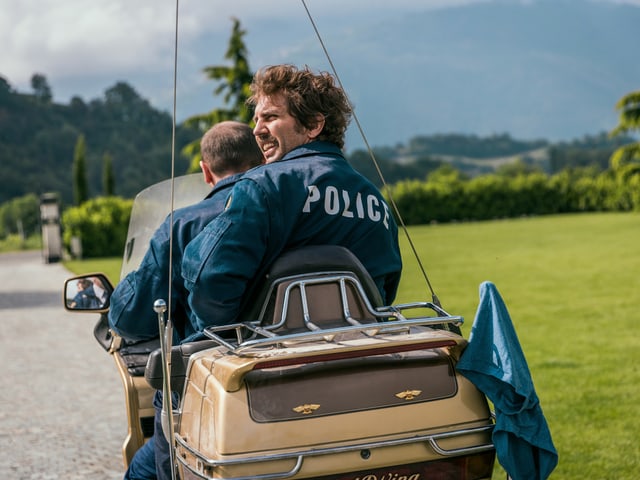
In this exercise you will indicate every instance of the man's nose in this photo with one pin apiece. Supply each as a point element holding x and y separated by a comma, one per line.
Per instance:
<point>258,128</point>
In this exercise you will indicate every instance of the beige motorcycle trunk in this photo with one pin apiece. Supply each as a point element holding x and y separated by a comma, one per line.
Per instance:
<point>332,388</point>
<point>363,406</point>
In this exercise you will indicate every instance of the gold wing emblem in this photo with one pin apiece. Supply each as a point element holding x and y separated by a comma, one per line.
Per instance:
<point>408,394</point>
<point>306,409</point>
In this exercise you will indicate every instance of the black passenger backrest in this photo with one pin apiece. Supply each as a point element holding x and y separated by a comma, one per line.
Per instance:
<point>318,266</point>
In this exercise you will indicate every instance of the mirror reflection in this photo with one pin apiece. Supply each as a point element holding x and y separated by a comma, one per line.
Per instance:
<point>90,292</point>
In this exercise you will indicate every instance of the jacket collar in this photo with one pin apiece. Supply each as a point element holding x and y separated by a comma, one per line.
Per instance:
<point>226,182</point>
<point>313,148</point>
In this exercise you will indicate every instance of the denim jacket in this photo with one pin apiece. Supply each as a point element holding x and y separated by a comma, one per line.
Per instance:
<point>131,313</point>
<point>312,196</point>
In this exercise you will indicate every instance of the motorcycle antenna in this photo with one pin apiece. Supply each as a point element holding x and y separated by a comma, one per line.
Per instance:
<point>385,185</point>
<point>160,307</point>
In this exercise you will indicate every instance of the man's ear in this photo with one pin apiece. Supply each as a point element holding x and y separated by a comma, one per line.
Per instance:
<point>206,171</point>
<point>317,129</point>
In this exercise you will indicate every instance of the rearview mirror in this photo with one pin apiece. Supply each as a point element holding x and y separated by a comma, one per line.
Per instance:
<point>89,293</point>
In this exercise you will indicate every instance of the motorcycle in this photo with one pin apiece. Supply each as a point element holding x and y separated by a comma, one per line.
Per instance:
<point>316,380</point>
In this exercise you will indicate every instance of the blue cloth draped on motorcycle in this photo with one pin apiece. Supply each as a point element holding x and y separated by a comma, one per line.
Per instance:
<point>495,363</point>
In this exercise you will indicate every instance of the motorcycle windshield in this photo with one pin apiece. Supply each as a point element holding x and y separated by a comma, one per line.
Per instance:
<point>150,208</point>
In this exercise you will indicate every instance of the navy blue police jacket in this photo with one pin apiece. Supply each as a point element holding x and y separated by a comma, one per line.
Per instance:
<point>312,196</point>
<point>131,313</point>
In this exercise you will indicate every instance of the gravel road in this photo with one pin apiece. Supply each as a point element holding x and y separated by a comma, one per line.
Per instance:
<point>62,410</point>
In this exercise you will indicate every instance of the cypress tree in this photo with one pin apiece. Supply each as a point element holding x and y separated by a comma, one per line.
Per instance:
<point>79,172</point>
<point>108,179</point>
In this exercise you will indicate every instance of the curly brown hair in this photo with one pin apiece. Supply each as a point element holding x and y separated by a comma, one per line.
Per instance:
<point>307,95</point>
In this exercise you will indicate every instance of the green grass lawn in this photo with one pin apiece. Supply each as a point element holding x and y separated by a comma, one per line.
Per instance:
<point>109,266</point>
<point>571,284</point>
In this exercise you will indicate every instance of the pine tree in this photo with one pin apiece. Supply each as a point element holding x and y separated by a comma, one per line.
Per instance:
<point>234,82</point>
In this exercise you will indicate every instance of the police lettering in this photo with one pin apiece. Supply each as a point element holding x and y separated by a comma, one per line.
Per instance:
<point>342,202</point>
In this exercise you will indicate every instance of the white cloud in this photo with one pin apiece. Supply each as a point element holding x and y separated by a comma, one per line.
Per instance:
<point>66,38</point>
<point>62,38</point>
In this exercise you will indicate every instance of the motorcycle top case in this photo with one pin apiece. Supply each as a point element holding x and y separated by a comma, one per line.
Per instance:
<point>360,406</point>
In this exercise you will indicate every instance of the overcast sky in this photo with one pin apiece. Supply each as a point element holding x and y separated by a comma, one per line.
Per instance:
<point>113,39</point>
<point>84,47</point>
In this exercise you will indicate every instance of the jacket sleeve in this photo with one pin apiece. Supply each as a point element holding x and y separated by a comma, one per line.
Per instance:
<point>131,313</point>
<point>221,261</point>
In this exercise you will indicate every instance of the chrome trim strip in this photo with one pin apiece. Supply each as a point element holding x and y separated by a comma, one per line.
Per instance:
<point>433,441</point>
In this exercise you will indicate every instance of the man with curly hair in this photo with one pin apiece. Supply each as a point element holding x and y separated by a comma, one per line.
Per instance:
<point>305,194</point>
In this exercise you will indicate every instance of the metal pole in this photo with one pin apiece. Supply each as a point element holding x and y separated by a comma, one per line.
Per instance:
<point>166,342</point>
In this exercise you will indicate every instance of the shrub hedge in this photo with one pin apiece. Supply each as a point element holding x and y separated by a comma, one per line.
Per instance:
<point>448,198</point>
<point>101,224</point>
<point>21,216</point>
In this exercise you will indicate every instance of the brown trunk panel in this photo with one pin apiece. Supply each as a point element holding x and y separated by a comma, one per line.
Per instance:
<point>349,386</point>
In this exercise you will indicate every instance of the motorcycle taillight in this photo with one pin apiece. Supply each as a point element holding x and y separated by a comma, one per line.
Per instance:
<point>471,467</point>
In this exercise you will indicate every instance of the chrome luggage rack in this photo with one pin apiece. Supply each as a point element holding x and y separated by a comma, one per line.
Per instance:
<point>252,335</point>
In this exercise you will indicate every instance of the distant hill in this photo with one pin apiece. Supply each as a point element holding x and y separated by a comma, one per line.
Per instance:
<point>38,137</point>
<point>474,155</point>
<point>37,141</point>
